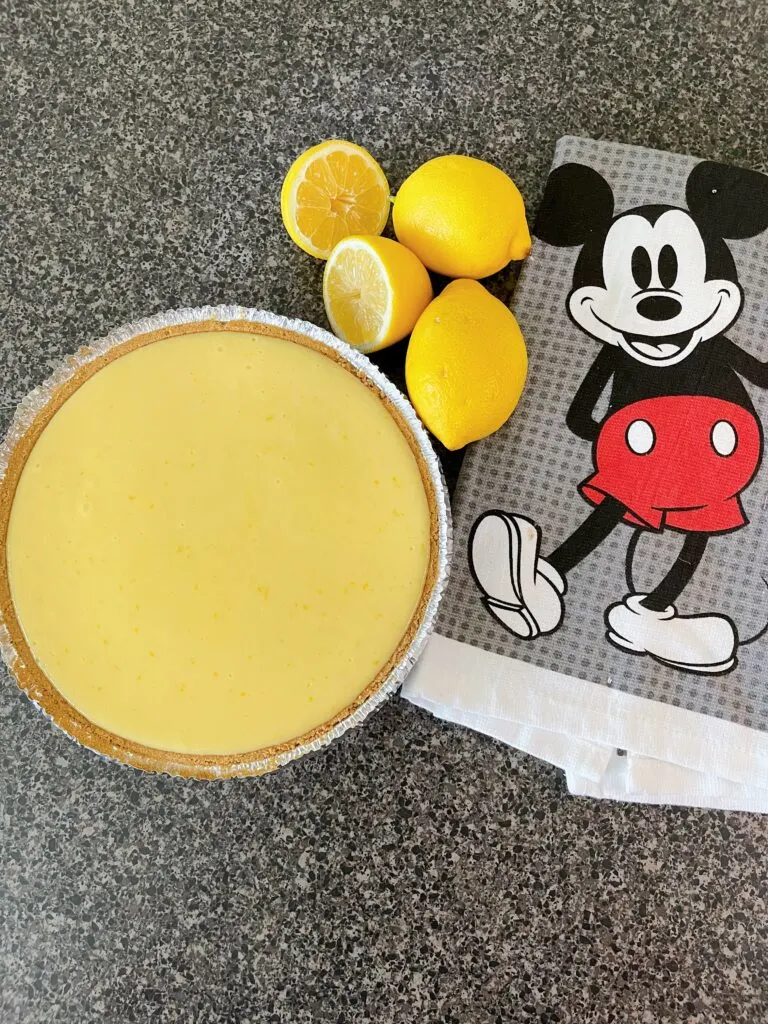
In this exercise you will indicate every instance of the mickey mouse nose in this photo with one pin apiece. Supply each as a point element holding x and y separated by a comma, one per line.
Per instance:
<point>658,307</point>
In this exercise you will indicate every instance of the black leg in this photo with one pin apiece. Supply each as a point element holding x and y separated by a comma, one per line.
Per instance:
<point>680,575</point>
<point>588,536</point>
<point>629,559</point>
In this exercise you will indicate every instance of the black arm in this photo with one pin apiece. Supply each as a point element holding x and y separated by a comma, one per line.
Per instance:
<point>579,417</point>
<point>745,364</point>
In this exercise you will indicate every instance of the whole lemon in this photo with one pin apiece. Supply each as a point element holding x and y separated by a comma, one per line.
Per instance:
<point>466,364</point>
<point>462,217</point>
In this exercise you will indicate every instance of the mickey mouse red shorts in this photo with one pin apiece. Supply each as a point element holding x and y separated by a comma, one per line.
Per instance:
<point>678,461</point>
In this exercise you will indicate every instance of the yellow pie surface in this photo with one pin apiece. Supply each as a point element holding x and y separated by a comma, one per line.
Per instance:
<point>217,542</point>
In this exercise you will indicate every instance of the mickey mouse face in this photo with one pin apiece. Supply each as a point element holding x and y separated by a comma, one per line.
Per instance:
<point>656,281</point>
<point>654,300</point>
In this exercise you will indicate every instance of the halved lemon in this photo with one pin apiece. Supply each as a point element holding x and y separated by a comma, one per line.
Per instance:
<point>331,191</point>
<point>374,291</point>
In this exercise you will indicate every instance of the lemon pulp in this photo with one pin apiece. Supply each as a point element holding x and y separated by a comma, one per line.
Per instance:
<point>217,542</point>
<point>331,191</point>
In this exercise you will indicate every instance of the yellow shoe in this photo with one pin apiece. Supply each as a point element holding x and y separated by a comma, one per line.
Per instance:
<point>462,217</point>
<point>333,190</point>
<point>466,364</point>
<point>374,291</point>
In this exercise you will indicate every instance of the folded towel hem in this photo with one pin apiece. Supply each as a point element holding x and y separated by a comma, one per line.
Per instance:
<point>458,681</point>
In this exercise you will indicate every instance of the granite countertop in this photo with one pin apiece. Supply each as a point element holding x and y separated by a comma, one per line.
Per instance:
<point>414,871</point>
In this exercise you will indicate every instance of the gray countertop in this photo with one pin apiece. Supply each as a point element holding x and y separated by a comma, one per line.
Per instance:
<point>414,871</point>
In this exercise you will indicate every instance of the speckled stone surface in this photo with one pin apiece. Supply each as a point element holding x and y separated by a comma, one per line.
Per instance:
<point>414,871</point>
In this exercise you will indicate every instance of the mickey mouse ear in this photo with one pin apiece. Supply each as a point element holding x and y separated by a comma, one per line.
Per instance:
<point>577,203</point>
<point>729,201</point>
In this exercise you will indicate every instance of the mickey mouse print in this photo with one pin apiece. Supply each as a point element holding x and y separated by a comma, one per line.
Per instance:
<point>657,288</point>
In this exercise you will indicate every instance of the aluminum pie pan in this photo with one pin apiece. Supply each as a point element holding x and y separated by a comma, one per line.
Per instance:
<point>31,417</point>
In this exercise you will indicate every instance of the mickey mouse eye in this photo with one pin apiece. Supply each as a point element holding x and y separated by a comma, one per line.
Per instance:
<point>667,266</point>
<point>642,269</point>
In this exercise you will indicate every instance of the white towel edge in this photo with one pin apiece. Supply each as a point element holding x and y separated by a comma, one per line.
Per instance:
<point>685,788</point>
<point>457,679</point>
<point>589,760</point>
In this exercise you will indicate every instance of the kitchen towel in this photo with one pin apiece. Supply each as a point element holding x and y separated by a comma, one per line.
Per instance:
<point>608,605</point>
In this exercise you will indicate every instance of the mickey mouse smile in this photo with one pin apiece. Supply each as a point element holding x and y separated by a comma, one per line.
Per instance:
<point>658,348</point>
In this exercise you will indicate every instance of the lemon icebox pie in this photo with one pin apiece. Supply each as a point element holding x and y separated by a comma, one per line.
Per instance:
<point>224,539</point>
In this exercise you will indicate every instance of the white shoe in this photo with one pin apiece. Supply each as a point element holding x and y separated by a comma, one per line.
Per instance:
<point>696,643</point>
<point>522,590</point>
